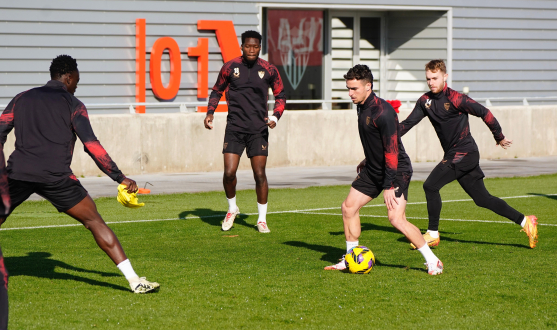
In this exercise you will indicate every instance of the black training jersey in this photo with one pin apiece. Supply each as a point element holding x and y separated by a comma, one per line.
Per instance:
<point>247,94</point>
<point>378,127</point>
<point>46,120</point>
<point>448,112</point>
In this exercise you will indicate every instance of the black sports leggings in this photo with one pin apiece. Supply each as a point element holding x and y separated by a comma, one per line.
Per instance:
<point>472,183</point>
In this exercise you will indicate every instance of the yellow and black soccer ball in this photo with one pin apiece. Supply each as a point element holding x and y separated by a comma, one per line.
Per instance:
<point>359,260</point>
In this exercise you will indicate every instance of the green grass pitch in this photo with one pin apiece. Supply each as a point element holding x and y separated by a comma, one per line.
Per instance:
<point>243,279</point>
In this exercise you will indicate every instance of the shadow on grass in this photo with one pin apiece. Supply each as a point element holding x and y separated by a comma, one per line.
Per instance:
<point>333,254</point>
<point>39,264</point>
<point>525,246</point>
<point>370,226</point>
<point>554,197</point>
<point>214,218</point>
<point>458,240</point>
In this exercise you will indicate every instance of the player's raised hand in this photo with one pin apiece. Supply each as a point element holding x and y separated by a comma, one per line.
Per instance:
<point>360,166</point>
<point>505,143</point>
<point>132,186</point>
<point>390,198</point>
<point>271,121</point>
<point>208,121</point>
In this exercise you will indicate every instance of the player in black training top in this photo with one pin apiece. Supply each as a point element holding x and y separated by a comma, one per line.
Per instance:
<point>4,209</point>
<point>46,121</point>
<point>448,112</point>
<point>386,168</point>
<point>246,81</point>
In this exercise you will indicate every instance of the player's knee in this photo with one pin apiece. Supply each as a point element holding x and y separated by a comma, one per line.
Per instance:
<point>259,176</point>
<point>396,221</point>
<point>348,210</point>
<point>483,201</point>
<point>429,188</point>
<point>92,222</point>
<point>229,175</point>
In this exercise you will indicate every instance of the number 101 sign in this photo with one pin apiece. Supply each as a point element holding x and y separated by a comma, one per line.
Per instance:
<point>228,43</point>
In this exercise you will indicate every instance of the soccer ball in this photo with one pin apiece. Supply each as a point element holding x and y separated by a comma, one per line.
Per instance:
<point>359,260</point>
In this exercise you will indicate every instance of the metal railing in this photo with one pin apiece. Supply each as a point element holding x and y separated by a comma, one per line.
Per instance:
<point>190,107</point>
<point>186,107</point>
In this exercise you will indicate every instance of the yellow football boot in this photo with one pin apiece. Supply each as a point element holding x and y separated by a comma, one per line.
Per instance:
<point>429,240</point>
<point>531,229</point>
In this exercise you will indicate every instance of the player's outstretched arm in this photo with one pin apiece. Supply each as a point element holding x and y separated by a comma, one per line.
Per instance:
<point>414,118</point>
<point>131,184</point>
<point>466,104</point>
<point>505,143</point>
<point>82,127</point>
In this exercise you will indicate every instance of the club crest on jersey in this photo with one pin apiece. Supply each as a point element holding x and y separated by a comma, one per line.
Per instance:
<point>367,121</point>
<point>261,74</point>
<point>236,72</point>
<point>428,103</point>
<point>447,106</point>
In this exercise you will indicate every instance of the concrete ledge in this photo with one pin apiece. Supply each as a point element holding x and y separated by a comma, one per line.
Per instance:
<point>173,143</point>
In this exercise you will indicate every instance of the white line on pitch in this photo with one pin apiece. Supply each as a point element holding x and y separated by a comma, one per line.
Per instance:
<point>288,211</point>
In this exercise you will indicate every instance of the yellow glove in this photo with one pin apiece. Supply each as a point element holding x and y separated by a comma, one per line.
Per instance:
<point>127,199</point>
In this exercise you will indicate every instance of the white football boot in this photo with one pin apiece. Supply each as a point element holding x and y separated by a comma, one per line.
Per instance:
<point>141,285</point>
<point>435,268</point>
<point>263,228</point>
<point>229,219</point>
<point>340,266</point>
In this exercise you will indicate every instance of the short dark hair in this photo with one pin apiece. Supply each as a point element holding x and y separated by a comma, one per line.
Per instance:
<point>61,65</point>
<point>251,34</point>
<point>360,72</point>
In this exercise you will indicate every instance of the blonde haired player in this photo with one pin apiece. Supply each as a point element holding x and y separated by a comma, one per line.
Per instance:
<point>448,112</point>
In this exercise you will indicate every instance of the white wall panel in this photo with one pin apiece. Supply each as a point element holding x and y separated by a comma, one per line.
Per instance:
<point>101,36</point>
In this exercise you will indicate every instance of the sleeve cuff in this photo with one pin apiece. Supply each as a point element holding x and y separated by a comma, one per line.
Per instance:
<point>120,178</point>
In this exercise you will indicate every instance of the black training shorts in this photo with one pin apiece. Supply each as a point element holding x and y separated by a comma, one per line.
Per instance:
<point>255,144</point>
<point>63,194</point>
<point>372,185</point>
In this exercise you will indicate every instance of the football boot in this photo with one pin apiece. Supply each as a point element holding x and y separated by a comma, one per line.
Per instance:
<point>531,229</point>
<point>141,285</point>
<point>263,228</point>
<point>429,240</point>
<point>435,268</point>
<point>229,219</point>
<point>339,266</point>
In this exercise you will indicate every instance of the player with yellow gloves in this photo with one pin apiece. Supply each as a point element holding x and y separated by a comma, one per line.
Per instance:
<point>46,121</point>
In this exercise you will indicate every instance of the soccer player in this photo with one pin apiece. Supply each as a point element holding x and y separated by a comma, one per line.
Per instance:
<point>448,112</point>
<point>4,207</point>
<point>46,121</point>
<point>386,168</point>
<point>246,81</point>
